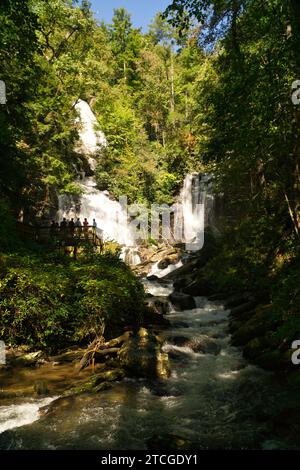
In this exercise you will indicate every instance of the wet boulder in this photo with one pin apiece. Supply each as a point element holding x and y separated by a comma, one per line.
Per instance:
<point>56,407</point>
<point>29,360</point>
<point>160,305</point>
<point>164,263</point>
<point>40,387</point>
<point>141,355</point>
<point>199,287</point>
<point>178,340</point>
<point>182,301</point>
<point>152,278</point>
<point>181,283</point>
<point>97,383</point>
<point>203,344</point>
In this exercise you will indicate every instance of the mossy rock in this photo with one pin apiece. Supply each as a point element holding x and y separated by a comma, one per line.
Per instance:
<point>256,347</point>
<point>28,360</point>
<point>263,321</point>
<point>274,360</point>
<point>141,355</point>
<point>96,383</point>
<point>109,376</point>
<point>102,386</point>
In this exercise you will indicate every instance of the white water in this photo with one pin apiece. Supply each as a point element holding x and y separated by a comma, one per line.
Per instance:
<point>196,201</point>
<point>92,140</point>
<point>156,271</point>
<point>15,416</point>
<point>94,204</point>
<point>110,216</point>
<point>130,256</point>
<point>215,400</point>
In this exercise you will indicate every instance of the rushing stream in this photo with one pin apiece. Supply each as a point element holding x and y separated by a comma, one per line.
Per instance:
<point>215,400</point>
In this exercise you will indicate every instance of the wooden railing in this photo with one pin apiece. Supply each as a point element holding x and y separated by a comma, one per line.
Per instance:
<point>67,236</point>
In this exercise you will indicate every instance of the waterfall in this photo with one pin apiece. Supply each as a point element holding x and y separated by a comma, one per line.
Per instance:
<point>110,216</point>
<point>94,204</point>
<point>197,204</point>
<point>92,141</point>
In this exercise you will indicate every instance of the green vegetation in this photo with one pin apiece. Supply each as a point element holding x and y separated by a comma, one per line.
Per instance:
<point>53,303</point>
<point>249,133</point>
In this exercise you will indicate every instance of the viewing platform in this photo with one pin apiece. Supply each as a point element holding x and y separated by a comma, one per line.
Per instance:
<point>62,236</point>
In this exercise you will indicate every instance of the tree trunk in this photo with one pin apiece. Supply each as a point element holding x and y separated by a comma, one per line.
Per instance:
<point>172,84</point>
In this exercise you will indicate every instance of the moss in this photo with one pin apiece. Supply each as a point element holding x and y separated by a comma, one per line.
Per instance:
<point>259,324</point>
<point>97,383</point>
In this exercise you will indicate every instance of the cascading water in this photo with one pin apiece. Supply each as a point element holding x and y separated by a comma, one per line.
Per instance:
<point>94,204</point>
<point>92,140</point>
<point>194,211</point>
<point>197,203</point>
<point>110,216</point>
<point>213,397</point>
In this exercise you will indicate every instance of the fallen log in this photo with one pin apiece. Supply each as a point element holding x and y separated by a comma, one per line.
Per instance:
<point>99,348</point>
<point>106,352</point>
<point>116,341</point>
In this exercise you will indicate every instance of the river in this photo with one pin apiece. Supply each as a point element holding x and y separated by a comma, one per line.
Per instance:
<point>216,400</point>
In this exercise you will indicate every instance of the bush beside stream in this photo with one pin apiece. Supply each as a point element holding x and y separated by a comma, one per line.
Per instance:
<point>51,303</point>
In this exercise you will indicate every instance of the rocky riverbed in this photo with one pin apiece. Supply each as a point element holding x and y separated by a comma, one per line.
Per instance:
<point>180,386</point>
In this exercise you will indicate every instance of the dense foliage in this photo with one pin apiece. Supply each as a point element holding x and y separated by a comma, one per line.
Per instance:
<point>139,85</point>
<point>54,303</point>
<point>249,130</point>
<point>53,53</point>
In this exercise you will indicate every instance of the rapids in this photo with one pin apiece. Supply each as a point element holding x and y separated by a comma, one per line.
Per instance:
<point>214,400</point>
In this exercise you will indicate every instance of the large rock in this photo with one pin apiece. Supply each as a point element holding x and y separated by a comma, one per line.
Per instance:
<point>29,359</point>
<point>199,287</point>
<point>262,320</point>
<point>202,343</point>
<point>187,270</point>
<point>237,299</point>
<point>165,262</point>
<point>153,278</point>
<point>182,301</point>
<point>180,283</point>
<point>243,308</point>
<point>97,383</point>
<point>141,355</point>
<point>56,407</point>
<point>178,340</point>
<point>160,305</point>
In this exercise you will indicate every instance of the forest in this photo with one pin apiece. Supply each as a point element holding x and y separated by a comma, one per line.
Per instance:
<point>209,88</point>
